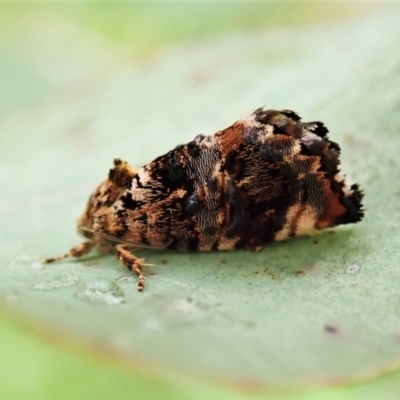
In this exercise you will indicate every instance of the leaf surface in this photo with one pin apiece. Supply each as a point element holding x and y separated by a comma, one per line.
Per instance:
<point>303,313</point>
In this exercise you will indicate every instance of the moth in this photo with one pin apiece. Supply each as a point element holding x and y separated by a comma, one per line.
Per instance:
<point>267,177</point>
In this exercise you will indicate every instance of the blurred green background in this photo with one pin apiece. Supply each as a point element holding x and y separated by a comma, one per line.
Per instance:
<point>83,83</point>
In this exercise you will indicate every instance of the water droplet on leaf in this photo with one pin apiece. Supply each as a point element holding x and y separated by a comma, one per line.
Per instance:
<point>37,265</point>
<point>186,309</point>
<point>58,282</point>
<point>152,325</point>
<point>101,291</point>
<point>24,259</point>
<point>352,269</point>
<point>126,279</point>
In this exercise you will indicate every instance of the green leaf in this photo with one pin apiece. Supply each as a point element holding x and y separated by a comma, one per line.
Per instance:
<point>308,312</point>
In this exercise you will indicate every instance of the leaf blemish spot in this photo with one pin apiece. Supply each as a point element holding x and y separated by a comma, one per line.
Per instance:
<point>331,329</point>
<point>352,269</point>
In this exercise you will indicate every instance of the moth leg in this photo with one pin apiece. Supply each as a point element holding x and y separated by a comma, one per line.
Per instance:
<point>133,263</point>
<point>77,251</point>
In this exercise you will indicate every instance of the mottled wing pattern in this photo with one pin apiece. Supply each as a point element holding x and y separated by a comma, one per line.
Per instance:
<point>267,177</point>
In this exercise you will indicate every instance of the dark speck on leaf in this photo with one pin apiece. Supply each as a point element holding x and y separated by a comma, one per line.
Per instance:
<point>331,329</point>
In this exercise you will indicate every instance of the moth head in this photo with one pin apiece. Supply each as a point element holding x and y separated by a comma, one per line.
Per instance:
<point>99,209</point>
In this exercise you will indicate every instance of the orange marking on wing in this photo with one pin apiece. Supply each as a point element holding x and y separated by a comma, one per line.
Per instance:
<point>334,209</point>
